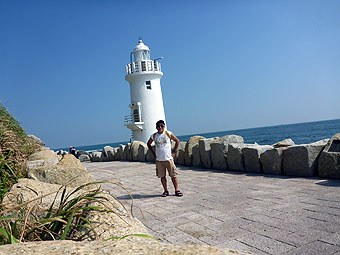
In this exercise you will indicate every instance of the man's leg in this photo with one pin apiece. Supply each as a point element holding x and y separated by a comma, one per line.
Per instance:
<point>164,183</point>
<point>175,182</point>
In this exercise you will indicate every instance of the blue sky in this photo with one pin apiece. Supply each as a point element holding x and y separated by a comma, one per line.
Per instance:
<point>227,64</point>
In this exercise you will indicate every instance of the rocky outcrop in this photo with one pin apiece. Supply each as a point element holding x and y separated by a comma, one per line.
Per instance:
<point>107,153</point>
<point>329,161</point>
<point>251,155</point>
<point>134,150</point>
<point>68,170</point>
<point>301,160</point>
<point>191,143</point>
<point>35,140</point>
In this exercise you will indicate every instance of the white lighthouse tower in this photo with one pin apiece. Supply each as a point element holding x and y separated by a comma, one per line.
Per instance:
<point>146,106</point>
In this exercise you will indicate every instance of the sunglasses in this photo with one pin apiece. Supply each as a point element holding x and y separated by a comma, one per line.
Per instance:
<point>160,126</point>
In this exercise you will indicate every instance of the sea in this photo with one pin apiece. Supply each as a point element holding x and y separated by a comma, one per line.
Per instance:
<point>300,133</point>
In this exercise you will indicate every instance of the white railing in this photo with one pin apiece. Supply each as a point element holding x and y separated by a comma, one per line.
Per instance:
<point>143,66</point>
<point>132,118</point>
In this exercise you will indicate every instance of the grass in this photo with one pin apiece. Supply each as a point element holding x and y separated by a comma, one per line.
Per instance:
<point>15,147</point>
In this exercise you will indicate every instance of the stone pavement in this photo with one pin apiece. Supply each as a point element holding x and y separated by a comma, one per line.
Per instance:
<point>262,214</point>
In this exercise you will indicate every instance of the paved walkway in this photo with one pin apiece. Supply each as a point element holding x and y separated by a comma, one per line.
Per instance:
<point>257,213</point>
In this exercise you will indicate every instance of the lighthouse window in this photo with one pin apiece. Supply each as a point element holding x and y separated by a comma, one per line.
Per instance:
<point>148,84</point>
<point>143,66</point>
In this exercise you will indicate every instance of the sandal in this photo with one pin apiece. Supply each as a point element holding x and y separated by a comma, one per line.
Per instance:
<point>165,194</point>
<point>178,193</point>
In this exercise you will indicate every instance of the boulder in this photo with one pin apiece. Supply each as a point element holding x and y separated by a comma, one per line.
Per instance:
<point>284,143</point>
<point>96,156</point>
<point>69,171</point>
<point>118,222</point>
<point>142,150</point>
<point>107,153</point>
<point>121,152</point>
<point>134,150</point>
<point>84,158</point>
<point>235,159</point>
<point>205,151</point>
<point>301,160</point>
<point>115,153</point>
<point>127,153</point>
<point>196,159</point>
<point>149,157</point>
<point>35,140</point>
<point>231,139</point>
<point>121,247</point>
<point>218,155</point>
<point>180,154</point>
<point>251,155</point>
<point>329,161</point>
<point>41,163</point>
<point>45,153</point>
<point>81,152</point>
<point>192,142</point>
<point>271,161</point>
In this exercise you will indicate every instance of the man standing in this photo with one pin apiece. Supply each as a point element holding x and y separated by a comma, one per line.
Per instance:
<point>164,156</point>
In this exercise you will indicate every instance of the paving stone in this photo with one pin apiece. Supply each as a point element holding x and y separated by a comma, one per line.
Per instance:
<point>313,248</point>
<point>255,213</point>
<point>265,244</point>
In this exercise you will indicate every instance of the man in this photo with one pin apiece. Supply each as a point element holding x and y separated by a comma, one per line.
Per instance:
<point>164,156</point>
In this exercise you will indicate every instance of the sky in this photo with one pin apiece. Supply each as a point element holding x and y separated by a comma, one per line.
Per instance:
<point>227,64</point>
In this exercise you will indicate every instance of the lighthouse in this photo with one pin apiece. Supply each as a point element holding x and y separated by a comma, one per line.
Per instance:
<point>144,76</point>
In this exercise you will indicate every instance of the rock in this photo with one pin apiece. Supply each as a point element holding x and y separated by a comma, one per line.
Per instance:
<point>329,161</point>
<point>121,247</point>
<point>234,157</point>
<point>134,150</point>
<point>196,159</point>
<point>271,161</point>
<point>69,171</point>
<point>96,156</point>
<point>180,154</point>
<point>284,143</point>
<point>149,157</point>
<point>142,150</point>
<point>127,152</point>
<point>192,142</point>
<point>61,152</point>
<point>84,158</point>
<point>42,163</point>
<point>301,160</point>
<point>115,153</point>
<point>205,151</point>
<point>81,152</point>
<point>218,155</point>
<point>46,153</point>
<point>107,153</point>
<point>118,222</point>
<point>231,139</point>
<point>121,152</point>
<point>35,140</point>
<point>251,155</point>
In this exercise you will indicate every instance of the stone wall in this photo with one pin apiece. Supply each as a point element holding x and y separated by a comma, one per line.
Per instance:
<point>230,153</point>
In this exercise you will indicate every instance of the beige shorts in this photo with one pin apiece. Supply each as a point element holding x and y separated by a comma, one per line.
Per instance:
<point>161,167</point>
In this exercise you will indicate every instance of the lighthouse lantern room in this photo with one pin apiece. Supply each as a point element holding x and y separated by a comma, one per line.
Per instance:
<point>144,75</point>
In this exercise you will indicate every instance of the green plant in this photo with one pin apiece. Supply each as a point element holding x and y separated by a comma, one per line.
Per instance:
<point>66,221</point>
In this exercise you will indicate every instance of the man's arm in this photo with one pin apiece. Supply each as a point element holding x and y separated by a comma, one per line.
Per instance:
<point>150,147</point>
<point>174,138</point>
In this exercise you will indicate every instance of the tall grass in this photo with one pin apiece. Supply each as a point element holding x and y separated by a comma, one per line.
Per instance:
<point>15,147</point>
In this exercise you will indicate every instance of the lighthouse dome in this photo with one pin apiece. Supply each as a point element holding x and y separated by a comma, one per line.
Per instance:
<point>141,52</point>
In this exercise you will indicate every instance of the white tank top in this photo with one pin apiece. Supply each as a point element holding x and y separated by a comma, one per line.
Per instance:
<point>163,146</point>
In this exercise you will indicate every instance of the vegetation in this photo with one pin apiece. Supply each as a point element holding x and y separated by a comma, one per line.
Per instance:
<point>15,147</point>
<point>67,218</point>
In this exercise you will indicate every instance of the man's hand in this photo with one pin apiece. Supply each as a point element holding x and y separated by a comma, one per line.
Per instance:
<point>173,154</point>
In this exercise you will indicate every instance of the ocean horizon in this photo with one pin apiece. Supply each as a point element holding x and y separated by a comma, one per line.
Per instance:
<point>300,133</point>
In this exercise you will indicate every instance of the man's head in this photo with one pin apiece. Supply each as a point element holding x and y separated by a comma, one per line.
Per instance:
<point>160,125</point>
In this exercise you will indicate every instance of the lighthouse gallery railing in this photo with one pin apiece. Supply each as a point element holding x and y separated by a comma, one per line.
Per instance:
<point>143,66</point>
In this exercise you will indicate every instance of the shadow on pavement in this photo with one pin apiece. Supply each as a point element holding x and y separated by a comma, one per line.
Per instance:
<point>329,183</point>
<point>136,196</point>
